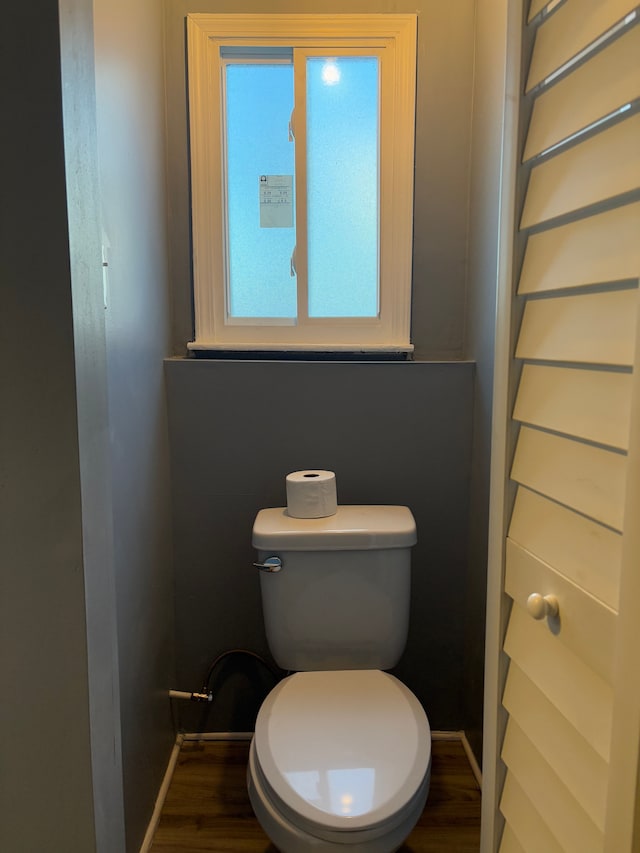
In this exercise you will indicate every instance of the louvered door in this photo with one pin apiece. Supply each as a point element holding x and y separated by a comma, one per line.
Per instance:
<point>570,506</point>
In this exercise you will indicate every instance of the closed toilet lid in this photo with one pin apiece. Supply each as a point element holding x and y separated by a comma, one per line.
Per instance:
<point>343,749</point>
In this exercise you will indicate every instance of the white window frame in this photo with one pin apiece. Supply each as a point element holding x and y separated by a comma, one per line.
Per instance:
<point>393,38</point>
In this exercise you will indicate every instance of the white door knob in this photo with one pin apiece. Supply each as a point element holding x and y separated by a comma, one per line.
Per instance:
<point>540,606</point>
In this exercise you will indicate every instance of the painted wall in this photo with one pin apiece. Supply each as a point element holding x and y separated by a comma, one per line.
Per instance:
<point>484,212</point>
<point>238,428</point>
<point>78,104</point>
<point>52,796</point>
<point>131,151</point>
<point>443,121</point>
<point>394,433</point>
<point>87,601</point>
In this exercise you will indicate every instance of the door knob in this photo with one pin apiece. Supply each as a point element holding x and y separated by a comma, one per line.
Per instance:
<point>540,606</point>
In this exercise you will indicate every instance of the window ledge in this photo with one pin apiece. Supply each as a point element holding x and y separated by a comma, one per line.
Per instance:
<point>301,351</point>
<point>197,346</point>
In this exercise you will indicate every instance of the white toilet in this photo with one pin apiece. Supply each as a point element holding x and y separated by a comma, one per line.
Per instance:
<point>341,757</point>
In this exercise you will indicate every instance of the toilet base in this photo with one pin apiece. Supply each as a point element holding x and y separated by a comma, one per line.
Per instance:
<point>292,839</point>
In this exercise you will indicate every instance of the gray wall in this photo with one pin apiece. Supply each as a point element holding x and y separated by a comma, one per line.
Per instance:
<point>130,136</point>
<point>78,104</point>
<point>229,455</point>
<point>49,437</point>
<point>394,433</point>
<point>484,211</point>
<point>86,600</point>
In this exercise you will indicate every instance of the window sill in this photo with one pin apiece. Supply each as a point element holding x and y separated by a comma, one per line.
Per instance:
<point>301,351</point>
<point>195,346</point>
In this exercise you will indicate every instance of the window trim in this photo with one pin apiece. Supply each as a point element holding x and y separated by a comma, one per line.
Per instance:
<point>206,33</point>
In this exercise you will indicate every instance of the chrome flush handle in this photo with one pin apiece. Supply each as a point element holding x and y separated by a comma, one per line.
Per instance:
<point>271,564</point>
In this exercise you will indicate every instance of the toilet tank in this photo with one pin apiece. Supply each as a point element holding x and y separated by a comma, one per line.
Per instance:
<point>341,599</point>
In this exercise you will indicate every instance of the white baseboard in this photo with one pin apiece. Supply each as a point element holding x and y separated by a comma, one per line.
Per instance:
<point>245,736</point>
<point>435,735</point>
<point>213,736</point>
<point>446,735</point>
<point>181,738</point>
<point>461,736</point>
<point>475,767</point>
<point>162,794</point>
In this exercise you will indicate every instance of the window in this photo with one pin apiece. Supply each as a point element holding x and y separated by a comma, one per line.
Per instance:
<point>302,138</point>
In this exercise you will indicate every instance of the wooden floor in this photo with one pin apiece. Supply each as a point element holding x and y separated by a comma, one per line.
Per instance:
<point>207,806</point>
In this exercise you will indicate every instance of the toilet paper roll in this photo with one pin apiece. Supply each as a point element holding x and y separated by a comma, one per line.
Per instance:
<point>311,494</point>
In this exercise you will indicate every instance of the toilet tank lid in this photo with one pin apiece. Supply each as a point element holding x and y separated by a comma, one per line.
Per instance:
<point>352,528</point>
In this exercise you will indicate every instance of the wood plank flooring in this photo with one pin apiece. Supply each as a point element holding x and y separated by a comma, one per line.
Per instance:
<point>207,805</point>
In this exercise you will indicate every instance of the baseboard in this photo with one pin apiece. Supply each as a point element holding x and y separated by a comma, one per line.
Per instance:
<point>461,736</point>
<point>435,735</point>
<point>213,736</point>
<point>475,767</point>
<point>162,794</point>
<point>186,737</point>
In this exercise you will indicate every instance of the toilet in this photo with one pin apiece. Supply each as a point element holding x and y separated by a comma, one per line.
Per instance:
<point>341,755</point>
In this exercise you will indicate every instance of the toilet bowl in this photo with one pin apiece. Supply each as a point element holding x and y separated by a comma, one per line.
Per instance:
<point>340,759</point>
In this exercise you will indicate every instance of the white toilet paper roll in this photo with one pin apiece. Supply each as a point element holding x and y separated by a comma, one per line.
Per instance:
<point>311,494</point>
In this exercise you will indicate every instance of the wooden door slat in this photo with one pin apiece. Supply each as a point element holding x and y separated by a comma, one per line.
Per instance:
<point>565,818</point>
<point>612,78</point>
<point>581,549</point>
<point>592,328</point>
<point>572,27</point>
<point>596,250</point>
<point>572,758</point>
<point>601,168</point>
<point>583,697</point>
<point>585,478</point>
<point>525,823</point>
<point>590,404</point>
<point>584,625</point>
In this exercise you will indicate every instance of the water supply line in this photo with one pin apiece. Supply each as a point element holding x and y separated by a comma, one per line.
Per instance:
<point>206,694</point>
<point>193,697</point>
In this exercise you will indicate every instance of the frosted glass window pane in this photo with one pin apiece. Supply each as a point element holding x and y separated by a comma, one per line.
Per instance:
<point>259,100</point>
<point>342,186</point>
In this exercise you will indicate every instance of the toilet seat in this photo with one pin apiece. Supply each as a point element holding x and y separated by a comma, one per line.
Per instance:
<point>343,752</point>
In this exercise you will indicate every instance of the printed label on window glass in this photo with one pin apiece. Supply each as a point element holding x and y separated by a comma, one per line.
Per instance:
<point>276,201</point>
